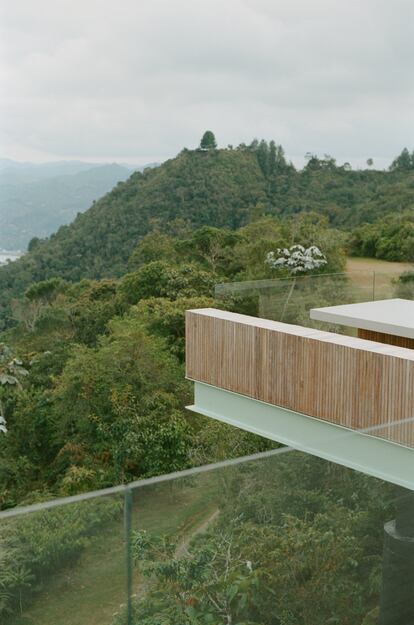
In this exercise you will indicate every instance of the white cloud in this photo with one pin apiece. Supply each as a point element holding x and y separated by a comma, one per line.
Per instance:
<point>138,81</point>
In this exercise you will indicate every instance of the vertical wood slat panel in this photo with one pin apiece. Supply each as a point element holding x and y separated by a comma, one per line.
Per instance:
<point>349,381</point>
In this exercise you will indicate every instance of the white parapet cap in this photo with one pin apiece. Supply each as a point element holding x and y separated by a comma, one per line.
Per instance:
<point>388,316</point>
<point>309,333</point>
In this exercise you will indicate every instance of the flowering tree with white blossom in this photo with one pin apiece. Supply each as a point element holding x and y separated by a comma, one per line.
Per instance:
<point>11,373</point>
<point>296,259</point>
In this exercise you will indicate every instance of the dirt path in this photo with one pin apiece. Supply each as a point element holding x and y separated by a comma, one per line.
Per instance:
<point>141,586</point>
<point>182,548</point>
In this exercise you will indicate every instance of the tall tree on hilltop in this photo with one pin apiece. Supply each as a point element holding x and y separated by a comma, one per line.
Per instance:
<point>208,141</point>
<point>403,162</point>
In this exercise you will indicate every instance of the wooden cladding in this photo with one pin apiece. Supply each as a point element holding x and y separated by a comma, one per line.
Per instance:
<point>390,339</point>
<point>349,381</point>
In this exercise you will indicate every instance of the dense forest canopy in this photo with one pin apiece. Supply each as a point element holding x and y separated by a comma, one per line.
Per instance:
<point>90,350</point>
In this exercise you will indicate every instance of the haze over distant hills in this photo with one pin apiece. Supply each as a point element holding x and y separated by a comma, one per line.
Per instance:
<point>35,199</point>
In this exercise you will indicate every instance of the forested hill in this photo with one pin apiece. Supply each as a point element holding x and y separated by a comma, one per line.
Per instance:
<point>218,188</point>
<point>221,188</point>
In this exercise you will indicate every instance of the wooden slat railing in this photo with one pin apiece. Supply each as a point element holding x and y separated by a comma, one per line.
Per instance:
<point>349,381</point>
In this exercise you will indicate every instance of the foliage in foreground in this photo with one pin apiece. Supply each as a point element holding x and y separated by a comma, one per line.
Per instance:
<point>297,542</point>
<point>36,546</point>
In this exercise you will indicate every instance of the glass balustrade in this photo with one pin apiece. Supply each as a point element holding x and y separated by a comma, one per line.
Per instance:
<point>277,538</point>
<point>290,299</point>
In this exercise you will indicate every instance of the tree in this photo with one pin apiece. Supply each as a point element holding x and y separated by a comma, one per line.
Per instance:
<point>27,312</point>
<point>208,141</point>
<point>370,162</point>
<point>296,259</point>
<point>92,305</point>
<point>159,279</point>
<point>404,285</point>
<point>262,154</point>
<point>293,543</point>
<point>122,402</point>
<point>212,248</point>
<point>154,246</point>
<point>11,374</point>
<point>390,238</point>
<point>272,157</point>
<point>280,162</point>
<point>403,162</point>
<point>166,319</point>
<point>314,163</point>
<point>46,290</point>
<point>33,244</point>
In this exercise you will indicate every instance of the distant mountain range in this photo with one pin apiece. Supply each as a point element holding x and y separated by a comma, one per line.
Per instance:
<point>35,199</point>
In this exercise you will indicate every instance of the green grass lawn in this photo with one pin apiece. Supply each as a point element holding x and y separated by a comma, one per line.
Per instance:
<point>94,589</point>
<point>361,272</point>
<point>373,264</point>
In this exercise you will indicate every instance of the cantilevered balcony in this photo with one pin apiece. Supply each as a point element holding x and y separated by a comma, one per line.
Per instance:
<point>342,398</point>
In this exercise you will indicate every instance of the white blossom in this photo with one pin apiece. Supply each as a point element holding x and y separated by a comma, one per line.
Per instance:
<point>297,259</point>
<point>3,425</point>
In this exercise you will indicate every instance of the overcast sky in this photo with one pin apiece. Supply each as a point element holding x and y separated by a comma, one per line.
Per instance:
<point>136,81</point>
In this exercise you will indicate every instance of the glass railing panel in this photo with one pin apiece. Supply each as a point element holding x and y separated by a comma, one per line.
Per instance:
<point>279,538</point>
<point>282,539</point>
<point>387,284</point>
<point>290,299</point>
<point>403,286</point>
<point>64,565</point>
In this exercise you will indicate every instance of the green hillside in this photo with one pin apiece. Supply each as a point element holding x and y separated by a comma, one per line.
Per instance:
<point>348,198</point>
<point>221,188</point>
<point>218,188</point>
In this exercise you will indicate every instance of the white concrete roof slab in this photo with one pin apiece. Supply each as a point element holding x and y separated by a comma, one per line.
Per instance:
<point>390,316</point>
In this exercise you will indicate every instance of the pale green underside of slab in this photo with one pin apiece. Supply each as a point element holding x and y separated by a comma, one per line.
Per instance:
<point>350,448</point>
